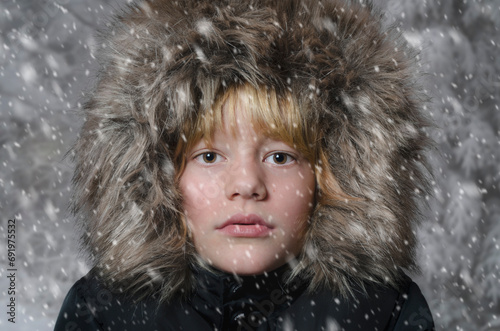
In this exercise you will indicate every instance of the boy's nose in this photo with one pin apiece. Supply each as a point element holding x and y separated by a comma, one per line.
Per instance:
<point>245,182</point>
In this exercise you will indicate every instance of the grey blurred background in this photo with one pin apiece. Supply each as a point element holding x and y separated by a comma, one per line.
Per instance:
<point>47,62</point>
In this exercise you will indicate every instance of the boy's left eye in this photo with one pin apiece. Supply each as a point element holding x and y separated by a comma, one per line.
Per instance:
<point>280,158</point>
<point>208,158</point>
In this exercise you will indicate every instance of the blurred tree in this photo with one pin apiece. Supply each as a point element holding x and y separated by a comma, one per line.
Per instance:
<point>459,41</point>
<point>44,63</point>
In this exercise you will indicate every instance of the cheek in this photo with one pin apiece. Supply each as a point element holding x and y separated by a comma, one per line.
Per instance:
<point>293,207</point>
<point>200,192</point>
<point>295,193</point>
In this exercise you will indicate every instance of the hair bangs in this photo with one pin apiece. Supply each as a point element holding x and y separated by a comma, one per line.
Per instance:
<point>271,114</point>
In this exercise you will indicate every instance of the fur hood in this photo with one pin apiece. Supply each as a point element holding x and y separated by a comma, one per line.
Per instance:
<point>161,60</point>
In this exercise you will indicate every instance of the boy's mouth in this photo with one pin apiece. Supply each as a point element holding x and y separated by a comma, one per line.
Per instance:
<point>246,226</point>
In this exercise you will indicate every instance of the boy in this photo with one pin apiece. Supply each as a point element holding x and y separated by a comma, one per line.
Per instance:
<point>250,165</point>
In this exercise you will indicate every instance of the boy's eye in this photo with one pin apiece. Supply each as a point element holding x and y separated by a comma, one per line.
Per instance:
<point>208,157</point>
<point>280,158</point>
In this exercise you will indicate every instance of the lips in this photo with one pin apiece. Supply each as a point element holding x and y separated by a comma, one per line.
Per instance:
<point>246,226</point>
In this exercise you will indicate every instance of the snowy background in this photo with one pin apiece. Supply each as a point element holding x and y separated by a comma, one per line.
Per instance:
<point>46,61</point>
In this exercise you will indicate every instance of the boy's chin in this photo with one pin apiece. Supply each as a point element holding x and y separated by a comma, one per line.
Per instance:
<point>249,267</point>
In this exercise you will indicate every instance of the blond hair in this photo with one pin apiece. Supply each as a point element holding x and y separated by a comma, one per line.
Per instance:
<point>277,116</point>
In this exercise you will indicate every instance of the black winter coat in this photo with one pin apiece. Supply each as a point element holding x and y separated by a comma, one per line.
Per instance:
<point>225,302</point>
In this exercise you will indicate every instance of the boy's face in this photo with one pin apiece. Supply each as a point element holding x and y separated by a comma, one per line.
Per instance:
<point>246,199</point>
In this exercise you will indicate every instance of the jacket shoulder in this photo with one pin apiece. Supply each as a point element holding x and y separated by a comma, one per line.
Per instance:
<point>414,312</point>
<point>76,310</point>
<point>373,307</point>
<point>91,306</point>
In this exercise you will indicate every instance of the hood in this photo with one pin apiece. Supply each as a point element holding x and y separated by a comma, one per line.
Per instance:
<point>162,60</point>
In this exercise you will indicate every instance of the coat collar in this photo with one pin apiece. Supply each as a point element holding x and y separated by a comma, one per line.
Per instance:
<point>228,300</point>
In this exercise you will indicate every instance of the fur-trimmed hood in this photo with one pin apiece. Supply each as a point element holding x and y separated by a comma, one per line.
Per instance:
<point>163,59</point>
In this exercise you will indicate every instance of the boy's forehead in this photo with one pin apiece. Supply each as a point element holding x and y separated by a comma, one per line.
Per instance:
<point>242,137</point>
<point>237,118</point>
<point>239,128</point>
<point>253,113</point>
<point>242,114</point>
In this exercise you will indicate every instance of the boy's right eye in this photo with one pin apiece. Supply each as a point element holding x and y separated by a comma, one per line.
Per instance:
<point>208,157</point>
